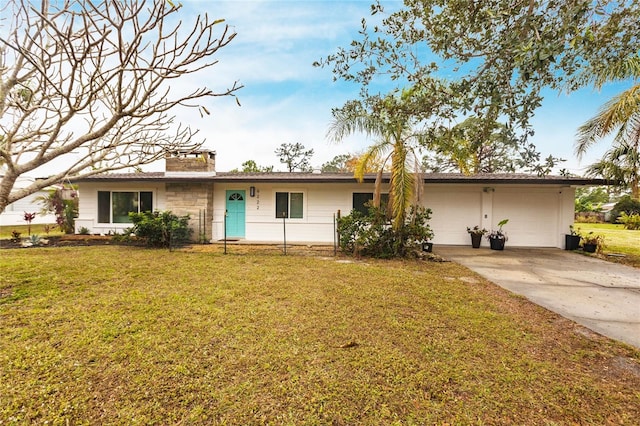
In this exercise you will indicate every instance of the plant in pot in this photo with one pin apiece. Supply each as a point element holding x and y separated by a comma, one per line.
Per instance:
<point>592,243</point>
<point>476,235</point>
<point>499,237</point>
<point>572,239</point>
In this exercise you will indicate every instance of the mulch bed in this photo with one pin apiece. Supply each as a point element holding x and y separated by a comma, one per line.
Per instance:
<point>64,241</point>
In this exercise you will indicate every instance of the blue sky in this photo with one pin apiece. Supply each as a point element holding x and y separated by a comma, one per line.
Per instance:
<point>286,100</point>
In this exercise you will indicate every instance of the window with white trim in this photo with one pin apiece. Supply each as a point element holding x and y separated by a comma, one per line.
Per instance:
<point>289,205</point>
<point>114,206</point>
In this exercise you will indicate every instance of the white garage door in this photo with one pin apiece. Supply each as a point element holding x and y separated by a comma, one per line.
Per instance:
<point>453,210</point>
<point>533,216</point>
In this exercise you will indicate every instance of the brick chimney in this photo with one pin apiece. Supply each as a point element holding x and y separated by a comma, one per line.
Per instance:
<point>190,162</point>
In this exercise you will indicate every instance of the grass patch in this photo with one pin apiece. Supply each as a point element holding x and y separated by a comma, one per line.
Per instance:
<point>617,241</point>
<point>125,335</point>
<point>39,229</point>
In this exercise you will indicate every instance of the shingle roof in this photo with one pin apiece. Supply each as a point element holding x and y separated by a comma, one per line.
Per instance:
<point>342,177</point>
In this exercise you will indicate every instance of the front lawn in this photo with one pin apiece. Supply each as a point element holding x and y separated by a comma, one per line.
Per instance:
<point>617,240</point>
<point>123,335</point>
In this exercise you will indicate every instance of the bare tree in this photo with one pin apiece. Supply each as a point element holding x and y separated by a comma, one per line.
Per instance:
<point>98,80</point>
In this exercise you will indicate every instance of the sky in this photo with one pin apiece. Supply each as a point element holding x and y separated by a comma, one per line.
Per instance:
<point>287,100</point>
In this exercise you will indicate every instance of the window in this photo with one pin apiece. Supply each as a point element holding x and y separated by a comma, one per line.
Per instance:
<point>360,200</point>
<point>114,207</point>
<point>289,205</point>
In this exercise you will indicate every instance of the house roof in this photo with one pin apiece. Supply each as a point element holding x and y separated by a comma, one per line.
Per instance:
<point>297,177</point>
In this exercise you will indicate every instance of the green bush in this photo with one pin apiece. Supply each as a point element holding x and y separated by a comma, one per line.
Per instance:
<point>372,235</point>
<point>161,228</point>
<point>627,205</point>
<point>630,221</point>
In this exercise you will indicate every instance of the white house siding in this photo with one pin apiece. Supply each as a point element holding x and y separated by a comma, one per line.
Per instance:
<point>454,207</point>
<point>321,202</point>
<point>14,212</point>
<point>88,205</point>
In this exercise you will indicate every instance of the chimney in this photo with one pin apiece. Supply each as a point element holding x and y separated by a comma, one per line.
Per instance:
<point>190,163</point>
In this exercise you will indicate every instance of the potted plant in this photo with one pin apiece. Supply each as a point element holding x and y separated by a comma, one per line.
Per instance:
<point>572,239</point>
<point>592,243</point>
<point>499,237</point>
<point>476,235</point>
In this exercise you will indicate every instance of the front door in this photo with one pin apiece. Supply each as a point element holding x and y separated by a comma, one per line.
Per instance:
<point>235,213</point>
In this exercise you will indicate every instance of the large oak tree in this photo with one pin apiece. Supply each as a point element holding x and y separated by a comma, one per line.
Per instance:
<point>497,56</point>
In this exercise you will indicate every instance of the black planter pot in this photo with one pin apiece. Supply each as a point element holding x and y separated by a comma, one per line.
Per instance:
<point>476,239</point>
<point>590,248</point>
<point>571,242</point>
<point>497,243</point>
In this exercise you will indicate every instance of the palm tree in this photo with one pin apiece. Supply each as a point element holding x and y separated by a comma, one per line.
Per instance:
<point>391,122</point>
<point>621,117</point>
<point>622,164</point>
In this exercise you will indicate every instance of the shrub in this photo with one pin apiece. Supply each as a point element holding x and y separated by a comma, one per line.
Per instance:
<point>372,235</point>
<point>590,217</point>
<point>15,236</point>
<point>83,231</point>
<point>627,205</point>
<point>161,228</point>
<point>630,221</point>
<point>594,239</point>
<point>127,236</point>
<point>66,210</point>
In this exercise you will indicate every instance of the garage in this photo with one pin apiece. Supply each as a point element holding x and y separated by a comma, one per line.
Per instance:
<point>454,209</point>
<point>533,215</point>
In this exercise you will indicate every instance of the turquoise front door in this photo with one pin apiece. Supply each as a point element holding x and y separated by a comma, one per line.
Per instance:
<point>235,213</point>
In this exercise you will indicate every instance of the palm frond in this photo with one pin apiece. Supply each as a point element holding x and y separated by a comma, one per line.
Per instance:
<point>620,164</point>
<point>401,185</point>
<point>614,114</point>
<point>377,189</point>
<point>417,178</point>
<point>374,152</point>
<point>627,68</point>
<point>351,119</point>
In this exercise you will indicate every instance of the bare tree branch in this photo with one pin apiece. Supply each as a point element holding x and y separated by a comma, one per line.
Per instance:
<point>96,79</point>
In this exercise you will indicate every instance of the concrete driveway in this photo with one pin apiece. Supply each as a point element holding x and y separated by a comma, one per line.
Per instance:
<point>602,296</point>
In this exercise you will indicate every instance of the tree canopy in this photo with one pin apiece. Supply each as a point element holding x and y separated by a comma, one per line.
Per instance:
<point>295,156</point>
<point>474,146</point>
<point>497,55</point>
<point>250,166</point>
<point>98,80</point>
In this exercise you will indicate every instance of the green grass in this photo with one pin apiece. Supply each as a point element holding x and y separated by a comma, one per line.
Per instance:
<point>121,335</point>
<point>6,230</point>
<point>617,240</point>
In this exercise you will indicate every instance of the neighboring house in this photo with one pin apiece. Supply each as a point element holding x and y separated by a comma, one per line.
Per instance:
<point>14,213</point>
<point>540,209</point>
